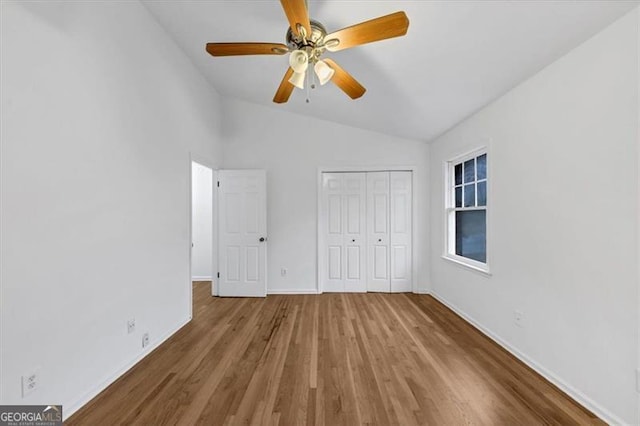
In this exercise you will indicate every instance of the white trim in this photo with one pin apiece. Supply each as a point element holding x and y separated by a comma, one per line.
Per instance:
<point>190,235</point>
<point>468,263</point>
<point>201,278</point>
<point>70,409</point>
<point>292,291</point>
<point>414,213</point>
<point>319,236</point>
<point>578,396</point>
<point>215,267</point>
<point>468,155</point>
<point>638,227</point>
<point>364,169</point>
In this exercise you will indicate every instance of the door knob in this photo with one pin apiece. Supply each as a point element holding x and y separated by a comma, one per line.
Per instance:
<point>262,239</point>
<point>379,240</point>
<point>353,241</point>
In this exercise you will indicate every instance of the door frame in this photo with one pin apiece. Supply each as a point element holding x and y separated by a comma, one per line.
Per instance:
<point>364,169</point>
<point>193,157</point>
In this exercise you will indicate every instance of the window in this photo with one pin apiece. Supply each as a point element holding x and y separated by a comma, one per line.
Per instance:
<point>467,210</point>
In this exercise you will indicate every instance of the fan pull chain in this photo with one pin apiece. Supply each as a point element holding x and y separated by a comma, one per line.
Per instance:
<point>308,84</point>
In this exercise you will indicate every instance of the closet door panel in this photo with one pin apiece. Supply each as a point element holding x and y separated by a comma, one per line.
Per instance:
<point>354,211</point>
<point>378,279</point>
<point>380,266</point>
<point>332,273</point>
<point>401,231</point>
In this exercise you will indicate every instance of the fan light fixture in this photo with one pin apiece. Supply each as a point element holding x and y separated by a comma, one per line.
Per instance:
<point>323,71</point>
<point>299,61</point>
<point>297,79</point>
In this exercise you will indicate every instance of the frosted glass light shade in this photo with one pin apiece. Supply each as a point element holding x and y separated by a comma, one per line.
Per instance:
<point>323,71</point>
<point>297,79</point>
<point>299,61</point>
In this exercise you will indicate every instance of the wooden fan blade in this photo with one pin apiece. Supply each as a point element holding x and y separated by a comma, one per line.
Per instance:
<point>233,49</point>
<point>384,27</point>
<point>296,11</point>
<point>285,89</point>
<point>345,81</point>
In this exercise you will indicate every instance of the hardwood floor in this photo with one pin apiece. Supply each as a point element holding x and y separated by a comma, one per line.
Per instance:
<point>331,359</point>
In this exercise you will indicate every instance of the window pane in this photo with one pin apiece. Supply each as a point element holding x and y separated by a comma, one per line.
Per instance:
<point>482,193</point>
<point>458,173</point>
<point>459,196</point>
<point>469,171</point>
<point>470,195</point>
<point>471,235</point>
<point>481,164</point>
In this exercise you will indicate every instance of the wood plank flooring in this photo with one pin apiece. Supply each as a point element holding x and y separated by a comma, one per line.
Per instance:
<point>331,359</point>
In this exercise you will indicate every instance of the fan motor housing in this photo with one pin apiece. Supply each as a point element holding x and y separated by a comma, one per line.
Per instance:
<point>318,32</point>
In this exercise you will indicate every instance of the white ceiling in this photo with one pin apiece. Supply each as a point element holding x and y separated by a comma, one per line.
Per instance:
<point>457,56</point>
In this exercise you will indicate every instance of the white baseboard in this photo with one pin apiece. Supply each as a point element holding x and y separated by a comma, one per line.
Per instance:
<point>292,291</point>
<point>201,278</point>
<point>581,398</point>
<point>69,409</point>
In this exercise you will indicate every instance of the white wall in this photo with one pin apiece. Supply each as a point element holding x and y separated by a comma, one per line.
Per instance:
<point>100,111</point>
<point>201,221</point>
<point>265,138</point>
<point>563,221</point>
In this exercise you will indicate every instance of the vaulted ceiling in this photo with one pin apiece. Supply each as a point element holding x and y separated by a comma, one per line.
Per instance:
<point>457,57</point>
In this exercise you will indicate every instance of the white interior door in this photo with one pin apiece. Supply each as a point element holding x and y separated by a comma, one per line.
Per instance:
<point>378,278</point>
<point>401,231</point>
<point>343,226</point>
<point>242,219</point>
<point>332,278</point>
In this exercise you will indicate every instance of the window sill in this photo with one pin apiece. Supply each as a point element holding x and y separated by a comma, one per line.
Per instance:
<point>461,261</point>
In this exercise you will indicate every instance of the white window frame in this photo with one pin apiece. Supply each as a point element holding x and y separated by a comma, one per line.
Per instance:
<point>450,212</point>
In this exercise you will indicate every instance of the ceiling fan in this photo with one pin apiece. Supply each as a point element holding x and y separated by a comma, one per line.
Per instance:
<point>307,40</point>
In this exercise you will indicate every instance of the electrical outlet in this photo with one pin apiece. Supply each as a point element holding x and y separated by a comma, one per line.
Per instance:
<point>131,326</point>
<point>283,272</point>
<point>145,340</point>
<point>29,383</point>
<point>518,318</point>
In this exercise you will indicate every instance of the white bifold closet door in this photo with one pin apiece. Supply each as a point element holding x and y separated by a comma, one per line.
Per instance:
<point>378,223</point>
<point>389,255</point>
<point>366,227</point>
<point>401,229</point>
<point>344,228</point>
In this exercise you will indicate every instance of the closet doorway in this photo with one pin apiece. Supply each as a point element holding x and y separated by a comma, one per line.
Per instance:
<point>365,231</point>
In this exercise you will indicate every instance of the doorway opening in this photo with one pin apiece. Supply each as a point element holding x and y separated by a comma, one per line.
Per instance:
<point>202,232</point>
